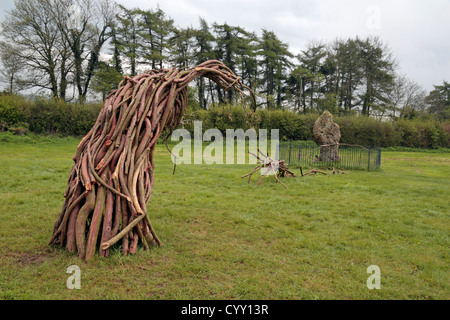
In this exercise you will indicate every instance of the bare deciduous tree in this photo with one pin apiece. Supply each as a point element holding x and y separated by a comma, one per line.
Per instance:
<point>58,48</point>
<point>85,35</point>
<point>12,65</point>
<point>34,35</point>
<point>406,97</point>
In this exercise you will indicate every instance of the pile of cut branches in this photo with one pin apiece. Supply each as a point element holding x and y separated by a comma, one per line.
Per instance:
<point>267,166</point>
<point>112,179</point>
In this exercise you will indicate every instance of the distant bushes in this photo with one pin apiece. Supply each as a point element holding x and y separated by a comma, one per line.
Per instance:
<point>290,125</point>
<point>359,130</point>
<point>44,116</point>
<point>403,133</point>
<point>56,116</point>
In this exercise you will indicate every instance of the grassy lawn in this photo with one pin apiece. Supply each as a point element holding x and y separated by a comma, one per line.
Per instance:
<point>226,239</point>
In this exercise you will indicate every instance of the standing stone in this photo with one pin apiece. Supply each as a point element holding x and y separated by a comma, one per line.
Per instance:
<point>327,134</point>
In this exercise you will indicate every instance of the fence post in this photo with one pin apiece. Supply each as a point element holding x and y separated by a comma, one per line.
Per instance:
<point>277,154</point>
<point>289,161</point>
<point>379,158</point>
<point>368,164</point>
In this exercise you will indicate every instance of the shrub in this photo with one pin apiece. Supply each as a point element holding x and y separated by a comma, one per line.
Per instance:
<point>12,110</point>
<point>431,134</point>
<point>46,116</point>
<point>19,129</point>
<point>408,133</point>
<point>359,130</point>
<point>446,128</point>
<point>53,116</point>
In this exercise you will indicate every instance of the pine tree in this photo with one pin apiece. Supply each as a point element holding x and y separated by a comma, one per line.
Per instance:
<point>204,42</point>
<point>126,38</point>
<point>105,79</point>
<point>181,47</point>
<point>378,73</point>
<point>275,60</point>
<point>154,30</point>
<point>312,59</point>
<point>230,43</point>
<point>348,68</point>
<point>439,101</point>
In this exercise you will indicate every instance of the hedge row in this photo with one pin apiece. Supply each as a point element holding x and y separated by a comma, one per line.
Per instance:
<point>45,116</point>
<point>359,130</point>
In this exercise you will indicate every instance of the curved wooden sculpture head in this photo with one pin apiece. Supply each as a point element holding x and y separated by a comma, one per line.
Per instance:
<point>113,175</point>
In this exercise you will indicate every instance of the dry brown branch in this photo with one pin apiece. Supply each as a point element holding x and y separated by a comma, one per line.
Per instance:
<point>314,172</point>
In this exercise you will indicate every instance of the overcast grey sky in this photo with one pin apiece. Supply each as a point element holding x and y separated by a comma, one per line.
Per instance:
<point>415,30</point>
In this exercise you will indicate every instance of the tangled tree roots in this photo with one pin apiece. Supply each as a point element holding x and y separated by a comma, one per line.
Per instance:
<point>112,179</point>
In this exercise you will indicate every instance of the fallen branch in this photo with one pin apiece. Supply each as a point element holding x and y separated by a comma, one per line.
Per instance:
<point>314,172</point>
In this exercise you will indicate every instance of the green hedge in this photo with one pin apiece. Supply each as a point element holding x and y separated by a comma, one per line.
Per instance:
<point>46,116</point>
<point>49,116</point>
<point>359,130</point>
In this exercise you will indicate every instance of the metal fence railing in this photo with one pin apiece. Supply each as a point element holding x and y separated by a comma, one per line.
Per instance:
<point>343,156</point>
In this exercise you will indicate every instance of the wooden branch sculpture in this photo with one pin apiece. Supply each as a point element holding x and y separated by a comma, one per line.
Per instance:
<point>112,179</point>
<point>277,167</point>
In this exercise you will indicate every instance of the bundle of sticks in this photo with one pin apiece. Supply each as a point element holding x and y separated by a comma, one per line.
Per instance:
<point>112,179</point>
<point>267,165</point>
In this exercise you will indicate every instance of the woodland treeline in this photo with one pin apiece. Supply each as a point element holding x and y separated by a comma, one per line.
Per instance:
<point>79,50</point>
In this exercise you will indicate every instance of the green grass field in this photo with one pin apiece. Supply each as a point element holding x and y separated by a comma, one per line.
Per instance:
<point>226,239</point>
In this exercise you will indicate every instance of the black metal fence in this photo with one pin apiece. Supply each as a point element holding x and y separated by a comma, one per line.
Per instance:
<point>310,154</point>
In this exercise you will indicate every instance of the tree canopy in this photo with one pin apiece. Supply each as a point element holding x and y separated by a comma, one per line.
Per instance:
<point>85,46</point>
